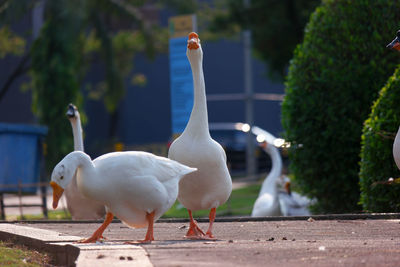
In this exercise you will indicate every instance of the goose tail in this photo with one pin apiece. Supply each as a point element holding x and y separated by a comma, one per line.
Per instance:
<point>186,170</point>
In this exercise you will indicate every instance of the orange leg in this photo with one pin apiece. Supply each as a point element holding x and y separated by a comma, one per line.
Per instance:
<point>194,231</point>
<point>149,235</point>
<point>212,218</point>
<point>99,232</point>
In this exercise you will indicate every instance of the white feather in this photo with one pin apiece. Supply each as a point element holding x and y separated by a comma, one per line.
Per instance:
<point>211,185</point>
<point>129,184</point>
<point>80,207</point>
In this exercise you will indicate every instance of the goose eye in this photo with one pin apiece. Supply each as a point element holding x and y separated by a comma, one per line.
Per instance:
<point>62,177</point>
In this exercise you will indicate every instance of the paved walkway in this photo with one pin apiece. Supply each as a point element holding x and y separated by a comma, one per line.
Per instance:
<point>323,241</point>
<point>13,199</point>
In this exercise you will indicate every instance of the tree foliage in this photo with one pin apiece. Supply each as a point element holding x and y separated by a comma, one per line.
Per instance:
<point>77,34</point>
<point>276,26</point>
<point>10,43</point>
<point>377,164</point>
<point>333,78</point>
<point>56,61</point>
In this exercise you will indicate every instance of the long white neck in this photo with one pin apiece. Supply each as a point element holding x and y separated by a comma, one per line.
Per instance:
<point>269,184</point>
<point>86,172</point>
<point>77,133</point>
<point>198,122</point>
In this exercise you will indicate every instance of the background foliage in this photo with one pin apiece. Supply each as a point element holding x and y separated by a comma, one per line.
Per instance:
<point>76,35</point>
<point>377,164</point>
<point>56,65</point>
<point>276,27</point>
<point>333,78</point>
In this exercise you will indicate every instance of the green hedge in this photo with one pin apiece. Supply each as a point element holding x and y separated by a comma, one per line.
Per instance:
<point>377,163</point>
<point>335,75</point>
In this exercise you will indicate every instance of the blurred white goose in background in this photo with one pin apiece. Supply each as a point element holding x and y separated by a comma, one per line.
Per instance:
<point>292,203</point>
<point>211,185</point>
<point>275,197</point>
<point>79,206</point>
<point>267,203</point>
<point>137,187</point>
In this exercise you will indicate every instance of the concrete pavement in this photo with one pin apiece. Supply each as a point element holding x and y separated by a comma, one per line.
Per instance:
<point>337,240</point>
<point>13,199</point>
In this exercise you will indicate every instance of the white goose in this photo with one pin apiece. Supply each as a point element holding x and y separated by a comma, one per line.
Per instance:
<point>211,185</point>
<point>80,207</point>
<point>292,203</point>
<point>267,203</point>
<point>395,44</point>
<point>275,197</point>
<point>137,187</point>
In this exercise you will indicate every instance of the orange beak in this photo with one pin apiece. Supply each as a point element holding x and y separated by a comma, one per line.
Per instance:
<point>287,188</point>
<point>264,144</point>
<point>193,41</point>
<point>57,193</point>
<point>395,44</point>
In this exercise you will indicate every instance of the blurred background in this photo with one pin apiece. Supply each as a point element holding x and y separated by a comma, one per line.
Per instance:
<point>112,59</point>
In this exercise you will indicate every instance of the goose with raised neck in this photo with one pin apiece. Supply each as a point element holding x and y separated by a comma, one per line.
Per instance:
<point>211,185</point>
<point>267,203</point>
<point>79,206</point>
<point>75,119</point>
<point>198,121</point>
<point>137,187</point>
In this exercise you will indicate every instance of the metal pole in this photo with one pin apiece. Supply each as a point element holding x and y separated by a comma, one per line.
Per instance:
<point>37,18</point>
<point>248,87</point>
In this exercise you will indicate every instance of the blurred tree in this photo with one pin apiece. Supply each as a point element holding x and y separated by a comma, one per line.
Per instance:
<point>377,164</point>
<point>10,42</point>
<point>118,31</point>
<point>334,76</point>
<point>277,26</point>
<point>77,34</point>
<point>56,70</point>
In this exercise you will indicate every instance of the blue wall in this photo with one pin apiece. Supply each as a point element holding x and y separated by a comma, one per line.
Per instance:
<point>145,115</point>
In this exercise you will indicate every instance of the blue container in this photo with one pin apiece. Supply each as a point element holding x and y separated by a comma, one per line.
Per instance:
<point>20,155</point>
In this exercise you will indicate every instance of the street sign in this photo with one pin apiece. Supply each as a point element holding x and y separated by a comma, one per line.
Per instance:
<point>181,81</point>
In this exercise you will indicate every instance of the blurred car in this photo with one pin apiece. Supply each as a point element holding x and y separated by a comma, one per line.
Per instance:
<point>233,137</point>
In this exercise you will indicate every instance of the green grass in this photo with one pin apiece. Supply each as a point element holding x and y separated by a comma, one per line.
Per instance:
<point>13,255</point>
<point>240,203</point>
<point>53,215</point>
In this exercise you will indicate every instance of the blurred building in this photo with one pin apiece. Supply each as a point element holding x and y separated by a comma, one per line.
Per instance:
<point>144,114</point>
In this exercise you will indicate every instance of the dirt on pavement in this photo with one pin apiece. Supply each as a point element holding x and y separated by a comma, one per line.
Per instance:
<point>260,243</point>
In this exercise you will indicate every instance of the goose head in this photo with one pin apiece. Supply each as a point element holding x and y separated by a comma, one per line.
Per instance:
<point>60,178</point>
<point>72,111</point>
<point>286,184</point>
<point>194,50</point>
<point>395,44</point>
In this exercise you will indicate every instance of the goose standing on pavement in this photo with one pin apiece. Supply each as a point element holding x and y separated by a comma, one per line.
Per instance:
<point>79,206</point>
<point>137,187</point>
<point>275,197</point>
<point>211,185</point>
<point>292,203</point>
<point>267,203</point>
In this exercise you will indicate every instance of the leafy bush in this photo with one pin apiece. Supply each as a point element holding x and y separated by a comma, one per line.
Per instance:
<point>333,78</point>
<point>377,164</point>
